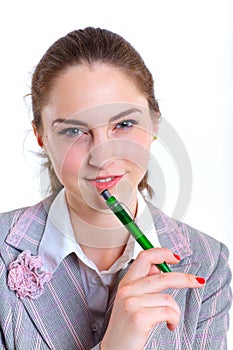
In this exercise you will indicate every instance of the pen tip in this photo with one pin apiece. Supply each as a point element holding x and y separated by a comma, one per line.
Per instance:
<point>105,194</point>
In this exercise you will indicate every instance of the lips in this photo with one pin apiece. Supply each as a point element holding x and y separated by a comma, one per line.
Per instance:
<point>104,182</point>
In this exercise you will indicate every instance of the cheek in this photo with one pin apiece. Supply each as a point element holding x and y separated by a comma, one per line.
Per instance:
<point>137,151</point>
<point>66,161</point>
<point>71,162</point>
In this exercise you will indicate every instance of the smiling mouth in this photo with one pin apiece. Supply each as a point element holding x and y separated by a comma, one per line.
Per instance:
<point>105,182</point>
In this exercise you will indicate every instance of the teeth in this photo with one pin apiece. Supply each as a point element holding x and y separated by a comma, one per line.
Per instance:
<point>104,180</point>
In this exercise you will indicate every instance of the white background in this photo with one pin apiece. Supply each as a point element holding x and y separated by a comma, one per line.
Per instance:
<point>187,45</point>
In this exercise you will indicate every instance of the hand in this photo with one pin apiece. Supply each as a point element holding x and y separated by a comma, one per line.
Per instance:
<point>140,304</point>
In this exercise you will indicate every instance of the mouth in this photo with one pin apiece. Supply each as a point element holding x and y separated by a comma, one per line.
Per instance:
<point>104,182</point>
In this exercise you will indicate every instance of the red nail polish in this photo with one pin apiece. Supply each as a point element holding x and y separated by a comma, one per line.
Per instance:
<point>177,256</point>
<point>200,280</point>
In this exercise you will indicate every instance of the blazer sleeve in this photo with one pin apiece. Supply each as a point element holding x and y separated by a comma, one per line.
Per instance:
<point>213,321</point>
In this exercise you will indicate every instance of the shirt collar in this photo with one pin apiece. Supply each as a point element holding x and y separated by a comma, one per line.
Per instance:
<point>58,240</point>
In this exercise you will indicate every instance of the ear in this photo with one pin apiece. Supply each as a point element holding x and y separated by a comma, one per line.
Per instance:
<point>38,137</point>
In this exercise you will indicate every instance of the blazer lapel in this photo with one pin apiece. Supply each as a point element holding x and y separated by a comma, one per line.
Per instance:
<point>171,233</point>
<point>61,313</point>
<point>27,227</point>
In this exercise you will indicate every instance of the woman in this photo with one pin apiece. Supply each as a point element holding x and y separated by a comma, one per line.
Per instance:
<point>71,276</point>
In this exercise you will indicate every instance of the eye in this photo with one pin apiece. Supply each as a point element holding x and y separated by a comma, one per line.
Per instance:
<point>71,132</point>
<point>126,124</point>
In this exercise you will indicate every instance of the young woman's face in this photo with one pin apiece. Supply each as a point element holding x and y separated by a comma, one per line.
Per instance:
<point>97,132</point>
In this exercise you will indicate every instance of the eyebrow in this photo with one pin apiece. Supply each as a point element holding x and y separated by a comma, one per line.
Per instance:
<point>112,119</point>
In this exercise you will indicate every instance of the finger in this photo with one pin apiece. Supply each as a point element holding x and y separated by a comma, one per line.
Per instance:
<point>142,265</point>
<point>150,317</point>
<point>135,303</point>
<point>154,269</point>
<point>160,282</point>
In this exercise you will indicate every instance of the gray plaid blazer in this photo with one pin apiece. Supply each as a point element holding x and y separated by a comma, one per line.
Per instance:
<point>59,319</point>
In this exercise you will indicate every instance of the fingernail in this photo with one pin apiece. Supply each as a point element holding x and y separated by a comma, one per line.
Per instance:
<point>177,256</point>
<point>200,280</point>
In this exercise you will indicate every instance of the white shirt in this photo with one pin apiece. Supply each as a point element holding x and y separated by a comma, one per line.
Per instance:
<point>58,241</point>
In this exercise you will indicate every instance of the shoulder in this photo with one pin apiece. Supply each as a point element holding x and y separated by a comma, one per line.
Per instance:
<point>13,218</point>
<point>180,236</point>
<point>8,220</point>
<point>210,252</point>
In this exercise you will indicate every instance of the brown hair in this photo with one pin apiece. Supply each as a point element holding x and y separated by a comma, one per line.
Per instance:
<point>89,46</point>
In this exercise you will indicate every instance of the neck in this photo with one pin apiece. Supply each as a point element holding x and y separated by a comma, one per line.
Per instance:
<point>103,258</point>
<point>99,232</point>
<point>96,216</point>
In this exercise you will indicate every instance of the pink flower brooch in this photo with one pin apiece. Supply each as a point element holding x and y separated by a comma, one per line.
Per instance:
<point>24,278</point>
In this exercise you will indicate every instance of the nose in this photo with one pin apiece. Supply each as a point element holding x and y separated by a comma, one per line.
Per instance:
<point>102,150</point>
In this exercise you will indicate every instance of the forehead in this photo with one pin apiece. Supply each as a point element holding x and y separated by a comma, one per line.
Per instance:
<point>95,89</point>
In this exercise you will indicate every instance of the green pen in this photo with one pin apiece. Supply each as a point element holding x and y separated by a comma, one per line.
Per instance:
<point>131,226</point>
